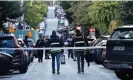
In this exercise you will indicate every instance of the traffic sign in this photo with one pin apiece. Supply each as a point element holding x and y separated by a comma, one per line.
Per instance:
<point>29,34</point>
<point>11,30</point>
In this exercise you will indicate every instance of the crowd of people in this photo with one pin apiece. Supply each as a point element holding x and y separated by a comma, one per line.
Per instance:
<point>77,40</point>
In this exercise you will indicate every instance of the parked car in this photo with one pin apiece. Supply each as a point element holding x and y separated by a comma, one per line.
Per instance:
<point>119,52</point>
<point>22,44</point>
<point>62,29</point>
<point>5,63</point>
<point>102,52</point>
<point>97,52</point>
<point>19,60</point>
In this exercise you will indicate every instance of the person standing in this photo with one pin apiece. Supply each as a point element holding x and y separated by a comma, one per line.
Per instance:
<point>62,39</point>
<point>40,44</point>
<point>79,41</point>
<point>26,41</point>
<point>47,44</point>
<point>55,42</point>
<point>70,53</point>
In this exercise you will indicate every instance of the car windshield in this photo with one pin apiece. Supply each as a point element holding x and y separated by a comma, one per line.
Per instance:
<point>122,34</point>
<point>7,42</point>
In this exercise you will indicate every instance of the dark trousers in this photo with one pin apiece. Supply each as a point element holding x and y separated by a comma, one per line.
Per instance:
<point>70,53</point>
<point>40,55</point>
<point>80,60</point>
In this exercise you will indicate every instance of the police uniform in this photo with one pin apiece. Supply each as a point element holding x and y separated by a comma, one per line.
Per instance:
<point>79,41</point>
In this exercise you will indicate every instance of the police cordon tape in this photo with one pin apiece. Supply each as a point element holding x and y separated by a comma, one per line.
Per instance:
<point>55,48</point>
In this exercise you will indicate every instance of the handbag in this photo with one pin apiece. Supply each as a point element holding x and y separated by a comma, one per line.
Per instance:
<point>62,59</point>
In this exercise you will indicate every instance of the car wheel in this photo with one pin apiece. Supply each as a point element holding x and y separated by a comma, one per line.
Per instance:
<point>123,75</point>
<point>23,68</point>
<point>103,61</point>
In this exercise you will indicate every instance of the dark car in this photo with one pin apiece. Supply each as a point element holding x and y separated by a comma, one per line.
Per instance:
<point>22,44</point>
<point>5,63</point>
<point>97,52</point>
<point>19,57</point>
<point>119,52</point>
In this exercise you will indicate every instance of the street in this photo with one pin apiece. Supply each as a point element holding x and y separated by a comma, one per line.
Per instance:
<point>42,71</point>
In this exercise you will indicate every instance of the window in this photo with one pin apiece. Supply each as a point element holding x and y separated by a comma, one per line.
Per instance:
<point>7,42</point>
<point>122,34</point>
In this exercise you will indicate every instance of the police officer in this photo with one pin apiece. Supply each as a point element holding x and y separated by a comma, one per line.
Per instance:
<point>55,55</point>
<point>40,44</point>
<point>79,41</point>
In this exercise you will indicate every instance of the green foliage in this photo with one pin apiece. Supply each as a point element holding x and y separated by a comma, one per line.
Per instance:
<point>34,12</point>
<point>9,9</point>
<point>80,10</point>
<point>101,13</point>
<point>127,12</point>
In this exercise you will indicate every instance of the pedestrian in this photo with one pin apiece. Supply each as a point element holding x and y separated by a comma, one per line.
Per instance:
<point>40,44</point>
<point>47,44</point>
<point>70,53</point>
<point>62,39</point>
<point>55,53</point>
<point>79,41</point>
<point>26,41</point>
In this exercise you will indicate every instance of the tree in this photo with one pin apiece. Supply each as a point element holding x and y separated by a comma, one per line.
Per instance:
<point>102,13</point>
<point>127,12</point>
<point>9,9</point>
<point>34,12</point>
<point>77,13</point>
<point>80,10</point>
<point>66,5</point>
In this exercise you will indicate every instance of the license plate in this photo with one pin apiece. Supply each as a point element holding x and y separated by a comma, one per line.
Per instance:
<point>119,48</point>
<point>126,66</point>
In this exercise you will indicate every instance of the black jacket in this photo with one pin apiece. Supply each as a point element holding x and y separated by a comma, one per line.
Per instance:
<point>79,37</point>
<point>40,43</point>
<point>55,39</point>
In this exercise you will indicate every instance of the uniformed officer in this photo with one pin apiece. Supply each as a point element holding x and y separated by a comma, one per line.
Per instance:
<point>79,41</point>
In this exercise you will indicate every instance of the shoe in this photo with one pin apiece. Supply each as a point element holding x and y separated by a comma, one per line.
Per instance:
<point>82,71</point>
<point>78,72</point>
<point>53,72</point>
<point>49,58</point>
<point>58,72</point>
<point>88,64</point>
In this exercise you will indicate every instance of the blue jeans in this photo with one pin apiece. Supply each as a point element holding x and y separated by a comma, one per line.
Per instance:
<point>57,55</point>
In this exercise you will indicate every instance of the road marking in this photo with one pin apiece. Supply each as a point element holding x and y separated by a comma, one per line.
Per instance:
<point>29,70</point>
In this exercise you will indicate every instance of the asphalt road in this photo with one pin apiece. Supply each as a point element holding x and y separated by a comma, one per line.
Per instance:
<point>52,21</point>
<point>43,71</point>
